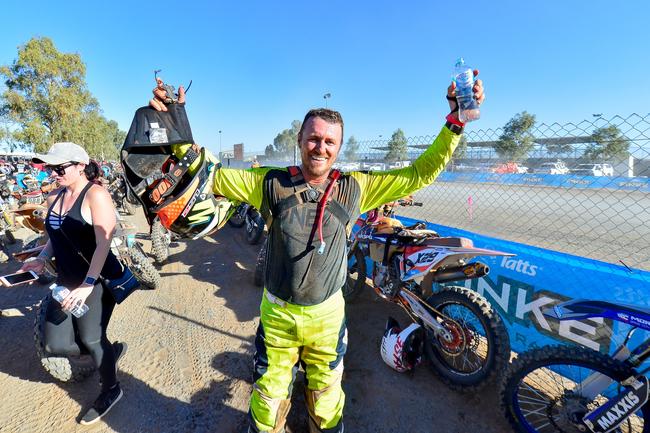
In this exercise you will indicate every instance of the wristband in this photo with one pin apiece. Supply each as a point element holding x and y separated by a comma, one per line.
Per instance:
<point>452,119</point>
<point>90,281</point>
<point>454,125</point>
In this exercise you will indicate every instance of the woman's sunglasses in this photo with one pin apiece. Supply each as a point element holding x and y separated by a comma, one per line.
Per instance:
<point>60,169</point>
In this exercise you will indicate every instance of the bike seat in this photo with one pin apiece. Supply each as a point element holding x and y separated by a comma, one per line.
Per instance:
<point>580,309</point>
<point>449,242</point>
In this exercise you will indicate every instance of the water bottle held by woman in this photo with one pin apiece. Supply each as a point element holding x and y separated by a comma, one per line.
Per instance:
<point>467,106</point>
<point>60,293</point>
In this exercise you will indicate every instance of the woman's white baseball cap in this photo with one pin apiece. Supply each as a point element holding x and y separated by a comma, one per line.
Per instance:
<point>60,153</point>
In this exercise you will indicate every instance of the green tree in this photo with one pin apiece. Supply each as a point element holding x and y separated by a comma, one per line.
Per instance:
<point>516,140</point>
<point>7,140</point>
<point>351,149</point>
<point>608,143</point>
<point>397,147</point>
<point>269,151</point>
<point>285,142</point>
<point>46,100</point>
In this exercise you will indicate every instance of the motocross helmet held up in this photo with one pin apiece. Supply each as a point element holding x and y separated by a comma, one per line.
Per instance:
<point>194,211</point>
<point>172,176</point>
<point>402,349</point>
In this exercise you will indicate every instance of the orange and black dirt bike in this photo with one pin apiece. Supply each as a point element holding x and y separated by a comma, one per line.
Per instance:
<point>465,339</point>
<point>171,175</point>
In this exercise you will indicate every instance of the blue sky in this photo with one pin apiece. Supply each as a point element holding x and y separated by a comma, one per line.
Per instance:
<point>257,65</point>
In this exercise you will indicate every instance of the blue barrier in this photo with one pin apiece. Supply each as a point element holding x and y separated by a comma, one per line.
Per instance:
<point>535,278</point>
<point>556,180</point>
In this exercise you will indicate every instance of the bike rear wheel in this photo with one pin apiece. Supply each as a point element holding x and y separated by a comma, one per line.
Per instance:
<point>541,391</point>
<point>479,349</point>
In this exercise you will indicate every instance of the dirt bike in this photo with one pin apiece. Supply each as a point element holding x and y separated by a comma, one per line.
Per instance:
<point>120,193</point>
<point>32,217</point>
<point>76,368</point>
<point>245,214</point>
<point>576,389</point>
<point>466,342</point>
<point>6,223</point>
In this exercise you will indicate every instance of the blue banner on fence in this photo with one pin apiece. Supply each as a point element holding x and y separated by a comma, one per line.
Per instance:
<point>557,180</point>
<point>520,287</point>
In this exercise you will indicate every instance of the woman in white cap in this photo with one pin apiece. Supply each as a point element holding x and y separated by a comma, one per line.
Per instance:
<point>80,223</point>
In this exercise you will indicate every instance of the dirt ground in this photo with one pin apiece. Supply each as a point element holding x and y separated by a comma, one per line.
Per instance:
<point>189,361</point>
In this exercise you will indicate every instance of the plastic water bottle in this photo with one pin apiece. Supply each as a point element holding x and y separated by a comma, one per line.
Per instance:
<point>60,293</point>
<point>467,106</point>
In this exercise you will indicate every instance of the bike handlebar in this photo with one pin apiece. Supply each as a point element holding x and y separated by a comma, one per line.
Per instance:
<point>409,203</point>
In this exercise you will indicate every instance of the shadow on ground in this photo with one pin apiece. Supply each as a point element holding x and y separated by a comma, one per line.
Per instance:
<point>231,273</point>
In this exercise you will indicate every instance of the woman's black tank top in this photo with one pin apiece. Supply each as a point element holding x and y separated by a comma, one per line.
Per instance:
<point>79,237</point>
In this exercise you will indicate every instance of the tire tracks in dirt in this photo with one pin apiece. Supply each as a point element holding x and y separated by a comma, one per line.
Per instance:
<point>189,363</point>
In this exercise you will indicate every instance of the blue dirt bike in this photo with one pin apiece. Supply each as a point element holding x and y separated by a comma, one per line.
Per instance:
<point>576,389</point>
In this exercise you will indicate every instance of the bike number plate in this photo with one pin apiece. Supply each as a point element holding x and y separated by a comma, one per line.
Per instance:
<point>609,416</point>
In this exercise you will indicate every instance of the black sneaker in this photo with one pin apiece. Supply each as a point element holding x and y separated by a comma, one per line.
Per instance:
<point>102,405</point>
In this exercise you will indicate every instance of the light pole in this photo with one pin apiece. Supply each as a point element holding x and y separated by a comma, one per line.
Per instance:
<point>326,97</point>
<point>220,144</point>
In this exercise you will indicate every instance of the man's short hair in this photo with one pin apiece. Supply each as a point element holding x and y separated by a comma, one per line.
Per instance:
<point>330,116</point>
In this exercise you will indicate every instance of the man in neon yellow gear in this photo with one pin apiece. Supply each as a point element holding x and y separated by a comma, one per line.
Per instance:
<point>302,317</point>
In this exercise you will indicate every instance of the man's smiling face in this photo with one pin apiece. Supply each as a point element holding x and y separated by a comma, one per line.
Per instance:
<point>319,143</point>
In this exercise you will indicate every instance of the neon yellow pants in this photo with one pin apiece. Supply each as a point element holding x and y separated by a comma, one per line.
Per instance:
<point>289,335</point>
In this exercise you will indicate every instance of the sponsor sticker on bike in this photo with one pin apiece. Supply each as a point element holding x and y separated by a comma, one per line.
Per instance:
<point>609,416</point>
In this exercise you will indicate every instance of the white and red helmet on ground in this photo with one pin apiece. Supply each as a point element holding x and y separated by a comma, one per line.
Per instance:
<point>402,349</point>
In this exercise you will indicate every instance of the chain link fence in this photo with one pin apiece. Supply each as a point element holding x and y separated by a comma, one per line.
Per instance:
<point>578,188</point>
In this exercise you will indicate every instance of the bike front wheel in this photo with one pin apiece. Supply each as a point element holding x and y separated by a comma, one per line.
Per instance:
<point>479,348</point>
<point>545,390</point>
